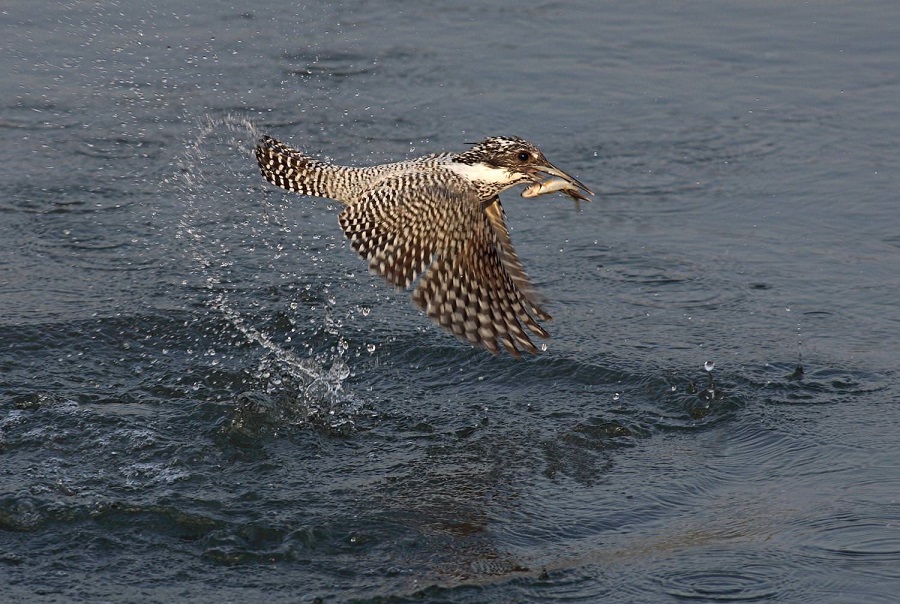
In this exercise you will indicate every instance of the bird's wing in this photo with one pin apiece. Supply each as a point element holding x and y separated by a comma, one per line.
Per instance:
<point>497,219</point>
<point>404,229</point>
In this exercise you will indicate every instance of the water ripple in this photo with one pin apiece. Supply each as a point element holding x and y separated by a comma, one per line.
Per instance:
<point>718,577</point>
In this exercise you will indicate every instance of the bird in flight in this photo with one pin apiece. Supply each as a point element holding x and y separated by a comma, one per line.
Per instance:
<point>438,219</point>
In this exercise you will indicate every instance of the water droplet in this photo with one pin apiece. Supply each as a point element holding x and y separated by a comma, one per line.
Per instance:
<point>544,347</point>
<point>709,366</point>
<point>616,396</point>
<point>365,310</point>
<point>370,348</point>
<point>339,371</point>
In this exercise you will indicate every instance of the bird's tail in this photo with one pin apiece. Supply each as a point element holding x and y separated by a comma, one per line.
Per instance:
<point>293,170</point>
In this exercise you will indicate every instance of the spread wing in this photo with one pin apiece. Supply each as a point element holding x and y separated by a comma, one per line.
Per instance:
<point>497,219</point>
<point>473,284</point>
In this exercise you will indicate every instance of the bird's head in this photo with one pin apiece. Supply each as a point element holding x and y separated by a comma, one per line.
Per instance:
<point>510,160</point>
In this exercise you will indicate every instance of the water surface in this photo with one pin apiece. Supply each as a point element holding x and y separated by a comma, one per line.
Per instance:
<point>205,396</point>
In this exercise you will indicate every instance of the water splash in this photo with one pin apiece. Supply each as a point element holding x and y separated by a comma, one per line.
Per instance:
<point>308,368</point>
<point>711,392</point>
<point>798,370</point>
<point>236,242</point>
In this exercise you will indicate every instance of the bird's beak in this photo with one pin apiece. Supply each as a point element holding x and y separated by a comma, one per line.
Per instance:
<point>552,170</point>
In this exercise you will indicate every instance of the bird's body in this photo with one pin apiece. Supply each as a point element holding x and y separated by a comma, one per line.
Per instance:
<point>439,215</point>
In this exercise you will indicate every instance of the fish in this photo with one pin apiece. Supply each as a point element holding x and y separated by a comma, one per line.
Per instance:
<point>553,185</point>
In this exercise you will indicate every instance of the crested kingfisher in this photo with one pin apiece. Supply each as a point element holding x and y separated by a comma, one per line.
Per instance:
<point>439,215</point>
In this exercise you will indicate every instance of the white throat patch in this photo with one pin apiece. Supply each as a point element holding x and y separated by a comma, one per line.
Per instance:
<point>482,173</point>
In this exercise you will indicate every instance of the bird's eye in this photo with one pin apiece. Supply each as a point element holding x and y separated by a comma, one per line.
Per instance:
<point>524,156</point>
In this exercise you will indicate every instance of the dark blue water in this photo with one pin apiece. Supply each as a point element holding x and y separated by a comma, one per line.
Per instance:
<point>204,396</point>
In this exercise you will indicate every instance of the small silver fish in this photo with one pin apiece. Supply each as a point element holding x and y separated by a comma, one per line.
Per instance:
<point>553,185</point>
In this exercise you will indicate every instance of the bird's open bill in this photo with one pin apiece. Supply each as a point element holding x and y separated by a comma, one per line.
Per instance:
<point>554,171</point>
<point>561,182</point>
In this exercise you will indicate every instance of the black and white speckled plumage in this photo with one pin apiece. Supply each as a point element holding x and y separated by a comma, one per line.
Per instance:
<point>439,218</point>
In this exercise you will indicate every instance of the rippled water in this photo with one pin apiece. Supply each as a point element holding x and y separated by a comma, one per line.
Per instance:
<point>204,396</point>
